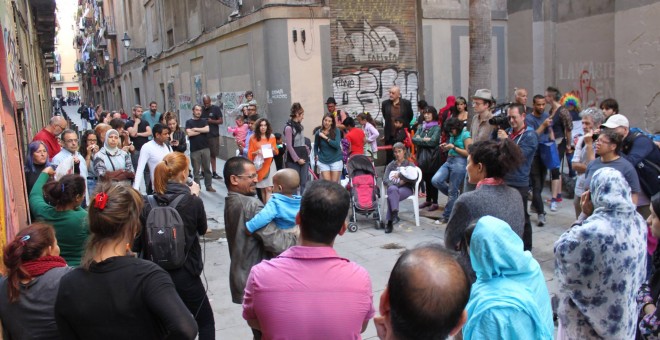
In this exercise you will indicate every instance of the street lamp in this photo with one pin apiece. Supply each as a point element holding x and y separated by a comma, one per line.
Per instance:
<point>127,43</point>
<point>106,56</point>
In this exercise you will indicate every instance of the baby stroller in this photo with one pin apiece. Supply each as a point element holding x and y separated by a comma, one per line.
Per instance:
<point>365,195</point>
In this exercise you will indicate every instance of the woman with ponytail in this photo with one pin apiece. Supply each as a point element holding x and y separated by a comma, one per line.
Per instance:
<point>27,294</point>
<point>63,213</point>
<point>170,178</point>
<point>114,295</point>
<point>487,164</point>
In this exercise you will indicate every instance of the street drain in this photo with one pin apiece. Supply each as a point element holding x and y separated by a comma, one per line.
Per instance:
<point>392,246</point>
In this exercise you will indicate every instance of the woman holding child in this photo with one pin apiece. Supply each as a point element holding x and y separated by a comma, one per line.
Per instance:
<point>327,148</point>
<point>399,187</point>
<point>170,187</point>
<point>261,141</point>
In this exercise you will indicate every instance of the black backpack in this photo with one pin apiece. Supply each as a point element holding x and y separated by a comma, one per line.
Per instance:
<point>164,235</point>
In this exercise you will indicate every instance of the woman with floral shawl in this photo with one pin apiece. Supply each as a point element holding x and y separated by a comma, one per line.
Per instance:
<point>601,263</point>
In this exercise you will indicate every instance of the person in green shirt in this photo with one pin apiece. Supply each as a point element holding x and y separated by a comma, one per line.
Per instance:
<point>64,213</point>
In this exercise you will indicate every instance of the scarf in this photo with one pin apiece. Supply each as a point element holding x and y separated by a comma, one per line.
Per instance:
<point>295,125</point>
<point>39,266</point>
<point>428,125</point>
<point>108,149</point>
<point>515,135</point>
<point>490,181</point>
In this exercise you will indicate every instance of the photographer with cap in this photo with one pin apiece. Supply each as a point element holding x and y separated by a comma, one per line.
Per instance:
<point>639,150</point>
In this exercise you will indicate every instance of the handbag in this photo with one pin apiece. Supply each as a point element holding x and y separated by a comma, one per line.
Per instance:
<point>428,159</point>
<point>549,155</point>
<point>258,162</point>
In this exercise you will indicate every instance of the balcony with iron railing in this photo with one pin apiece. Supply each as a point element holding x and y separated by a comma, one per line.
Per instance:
<point>109,25</point>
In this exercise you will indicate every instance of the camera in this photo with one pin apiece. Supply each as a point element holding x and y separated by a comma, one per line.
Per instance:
<point>500,121</point>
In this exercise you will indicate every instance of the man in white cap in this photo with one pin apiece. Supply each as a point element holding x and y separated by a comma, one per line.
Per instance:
<point>482,102</point>
<point>642,153</point>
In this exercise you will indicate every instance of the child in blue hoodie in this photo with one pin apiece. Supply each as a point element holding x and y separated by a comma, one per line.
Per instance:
<point>283,205</point>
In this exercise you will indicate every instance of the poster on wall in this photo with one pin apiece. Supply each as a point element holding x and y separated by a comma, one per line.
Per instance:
<point>374,47</point>
<point>185,108</point>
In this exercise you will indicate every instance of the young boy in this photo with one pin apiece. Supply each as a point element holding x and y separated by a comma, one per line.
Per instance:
<point>279,158</point>
<point>400,131</point>
<point>282,207</point>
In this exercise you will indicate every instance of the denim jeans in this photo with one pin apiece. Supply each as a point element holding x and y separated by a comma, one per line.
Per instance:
<point>453,171</point>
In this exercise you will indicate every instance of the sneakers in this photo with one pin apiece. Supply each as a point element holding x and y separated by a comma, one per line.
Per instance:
<point>433,207</point>
<point>424,205</point>
<point>558,200</point>
<point>541,220</point>
<point>216,176</point>
<point>210,189</point>
<point>441,220</point>
<point>553,206</point>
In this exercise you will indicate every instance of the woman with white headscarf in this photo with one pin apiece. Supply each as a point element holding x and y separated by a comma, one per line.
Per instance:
<point>601,263</point>
<point>112,163</point>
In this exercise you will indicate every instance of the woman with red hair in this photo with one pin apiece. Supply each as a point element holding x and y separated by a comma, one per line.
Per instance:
<point>27,293</point>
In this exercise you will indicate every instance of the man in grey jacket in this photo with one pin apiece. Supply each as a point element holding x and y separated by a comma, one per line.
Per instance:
<point>241,205</point>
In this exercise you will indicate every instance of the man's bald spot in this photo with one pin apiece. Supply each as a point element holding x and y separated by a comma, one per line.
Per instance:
<point>432,272</point>
<point>288,179</point>
<point>57,120</point>
<point>395,89</point>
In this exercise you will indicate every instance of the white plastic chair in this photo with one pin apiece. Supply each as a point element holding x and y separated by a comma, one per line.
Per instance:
<point>414,197</point>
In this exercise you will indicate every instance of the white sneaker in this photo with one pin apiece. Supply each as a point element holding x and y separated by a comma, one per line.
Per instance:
<point>541,220</point>
<point>553,206</point>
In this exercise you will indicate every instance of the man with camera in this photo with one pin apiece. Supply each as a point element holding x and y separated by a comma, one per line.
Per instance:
<point>525,137</point>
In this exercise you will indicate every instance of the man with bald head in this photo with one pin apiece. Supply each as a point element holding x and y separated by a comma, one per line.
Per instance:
<point>393,108</point>
<point>49,135</point>
<point>213,116</point>
<point>425,297</point>
<point>521,98</point>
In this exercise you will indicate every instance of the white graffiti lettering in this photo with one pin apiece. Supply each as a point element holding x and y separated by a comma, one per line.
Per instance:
<point>365,90</point>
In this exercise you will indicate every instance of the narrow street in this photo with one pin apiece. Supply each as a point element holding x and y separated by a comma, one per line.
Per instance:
<point>370,248</point>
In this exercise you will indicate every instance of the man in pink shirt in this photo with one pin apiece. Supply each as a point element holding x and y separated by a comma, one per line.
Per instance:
<point>309,292</point>
<point>49,134</point>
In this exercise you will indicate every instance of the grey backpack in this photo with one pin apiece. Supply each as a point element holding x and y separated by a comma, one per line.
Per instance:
<point>164,234</point>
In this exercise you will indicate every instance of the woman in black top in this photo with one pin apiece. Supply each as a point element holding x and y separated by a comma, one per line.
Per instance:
<point>114,295</point>
<point>177,136</point>
<point>36,161</point>
<point>170,178</point>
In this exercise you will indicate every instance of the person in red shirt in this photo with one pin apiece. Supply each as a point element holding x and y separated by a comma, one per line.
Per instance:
<point>49,134</point>
<point>354,136</point>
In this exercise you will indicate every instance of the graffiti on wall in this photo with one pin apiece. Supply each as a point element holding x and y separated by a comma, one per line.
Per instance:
<point>231,104</point>
<point>590,81</point>
<point>374,47</point>
<point>197,84</point>
<point>9,221</point>
<point>364,90</point>
<point>372,44</point>
<point>171,98</point>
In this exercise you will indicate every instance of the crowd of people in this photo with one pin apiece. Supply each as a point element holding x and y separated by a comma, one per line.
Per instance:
<point>99,253</point>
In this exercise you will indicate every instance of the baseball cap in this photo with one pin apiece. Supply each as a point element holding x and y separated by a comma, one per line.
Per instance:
<point>615,121</point>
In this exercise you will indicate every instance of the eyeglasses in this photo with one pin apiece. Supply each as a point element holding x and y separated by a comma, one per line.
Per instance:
<point>253,176</point>
<point>92,140</point>
<point>62,127</point>
<point>603,141</point>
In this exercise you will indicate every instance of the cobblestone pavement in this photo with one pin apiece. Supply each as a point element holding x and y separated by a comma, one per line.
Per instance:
<point>371,248</point>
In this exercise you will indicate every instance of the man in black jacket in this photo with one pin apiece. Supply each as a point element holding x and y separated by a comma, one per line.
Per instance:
<point>393,108</point>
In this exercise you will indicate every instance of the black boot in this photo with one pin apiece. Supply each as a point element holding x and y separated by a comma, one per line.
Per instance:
<point>388,228</point>
<point>395,217</point>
